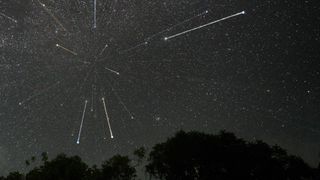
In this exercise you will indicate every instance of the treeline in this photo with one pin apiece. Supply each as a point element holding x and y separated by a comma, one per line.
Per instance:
<point>186,156</point>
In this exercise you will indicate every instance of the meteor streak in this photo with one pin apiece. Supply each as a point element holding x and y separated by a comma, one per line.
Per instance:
<point>39,93</point>
<point>92,98</point>
<point>148,39</point>
<point>120,100</point>
<point>101,52</point>
<point>94,14</point>
<point>133,47</point>
<point>8,17</point>
<point>205,25</point>
<point>82,119</point>
<point>113,71</point>
<point>66,49</point>
<point>104,48</point>
<point>176,25</point>
<point>107,116</point>
<point>51,14</point>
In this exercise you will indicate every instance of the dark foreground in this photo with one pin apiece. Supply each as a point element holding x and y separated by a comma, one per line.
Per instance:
<point>186,156</point>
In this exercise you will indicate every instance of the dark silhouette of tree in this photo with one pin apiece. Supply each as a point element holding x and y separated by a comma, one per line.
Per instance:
<point>27,162</point>
<point>15,176</point>
<point>33,159</point>
<point>60,168</point>
<point>193,155</point>
<point>93,173</point>
<point>35,174</point>
<point>44,156</point>
<point>140,153</point>
<point>118,167</point>
<point>317,172</point>
<point>72,168</point>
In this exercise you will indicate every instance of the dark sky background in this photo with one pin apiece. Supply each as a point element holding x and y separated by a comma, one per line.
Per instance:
<point>256,75</point>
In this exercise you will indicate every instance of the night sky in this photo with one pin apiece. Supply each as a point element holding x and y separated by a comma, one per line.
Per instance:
<point>256,74</point>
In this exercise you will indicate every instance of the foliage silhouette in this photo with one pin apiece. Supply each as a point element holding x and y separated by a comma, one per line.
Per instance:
<point>194,155</point>
<point>44,157</point>
<point>118,167</point>
<point>140,153</point>
<point>14,176</point>
<point>60,168</point>
<point>186,156</point>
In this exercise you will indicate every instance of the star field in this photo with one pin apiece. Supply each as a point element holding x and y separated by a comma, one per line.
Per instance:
<point>256,75</point>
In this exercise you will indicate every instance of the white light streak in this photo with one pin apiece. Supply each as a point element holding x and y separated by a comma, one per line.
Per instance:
<point>66,49</point>
<point>134,47</point>
<point>113,71</point>
<point>104,48</point>
<point>8,17</point>
<point>82,119</point>
<point>148,39</point>
<point>205,25</point>
<point>180,23</point>
<point>107,116</point>
<point>39,93</point>
<point>52,15</point>
<point>92,98</point>
<point>120,100</point>
<point>94,14</point>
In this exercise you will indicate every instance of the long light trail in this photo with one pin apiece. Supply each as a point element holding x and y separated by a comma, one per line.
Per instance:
<point>82,119</point>
<point>113,71</point>
<point>39,93</point>
<point>66,49</point>
<point>120,100</point>
<point>94,14</point>
<point>8,17</point>
<point>148,39</point>
<point>52,15</point>
<point>107,116</point>
<point>178,24</point>
<point>205,25</point>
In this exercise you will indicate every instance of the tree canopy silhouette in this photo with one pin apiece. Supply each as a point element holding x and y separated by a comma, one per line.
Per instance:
<point>60,168</point>
<point>194,155</point>
<point>118,167</point>
<point>14,176</point>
